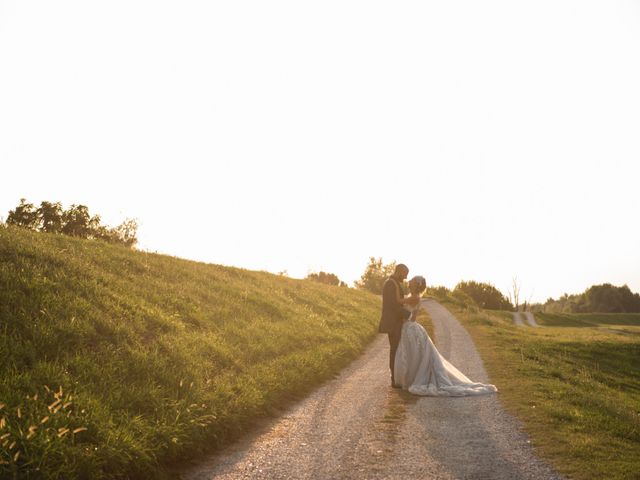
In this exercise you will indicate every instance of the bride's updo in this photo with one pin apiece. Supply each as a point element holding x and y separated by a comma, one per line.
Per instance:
<point>419,282</point>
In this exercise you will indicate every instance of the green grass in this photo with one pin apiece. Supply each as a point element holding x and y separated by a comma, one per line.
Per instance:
<point>574,383</point>
<point>119,364</point>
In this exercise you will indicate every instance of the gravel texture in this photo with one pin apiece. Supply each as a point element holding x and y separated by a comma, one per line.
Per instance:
<point>528,316</point>
<point>531,320</point>
<point>517,319</point>
<point>356,426</point>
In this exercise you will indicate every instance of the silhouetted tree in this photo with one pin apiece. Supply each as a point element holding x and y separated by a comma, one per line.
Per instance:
<point>24,215</point>
<point>326,278</point>
<point>484,295</point>
<point>50,217</point>
<point>514,293</point>
<point>77,222</point>
<point>374,275</point>
<point>125,233</point>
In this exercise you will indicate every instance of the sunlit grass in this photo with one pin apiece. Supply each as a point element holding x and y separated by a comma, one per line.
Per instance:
<point>115,363</point>
<point>575,384</point>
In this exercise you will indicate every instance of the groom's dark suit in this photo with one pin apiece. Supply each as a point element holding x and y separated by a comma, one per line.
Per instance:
<point>393,315</point>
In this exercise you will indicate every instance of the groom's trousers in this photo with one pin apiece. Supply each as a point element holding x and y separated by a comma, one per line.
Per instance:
<point>394,341</point>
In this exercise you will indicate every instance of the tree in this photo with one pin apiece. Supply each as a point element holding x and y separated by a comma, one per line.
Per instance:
<point>326,278</point>
<point>25,215</point>
<point>374,275</point>
<point>484,295</point>
<point>125,233</point>
<point>514,293</point>
<point>50,217</point>
<point>78,223</point>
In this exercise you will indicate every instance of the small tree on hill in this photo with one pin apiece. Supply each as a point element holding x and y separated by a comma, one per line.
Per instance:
<point>50,217</point>
<point>24,215</point>
<point>77,222</point>
<point>484,295</point>
<point>125,233</point>
<point>514,293</point>
<point>374,275</point>
<point>326,278</point>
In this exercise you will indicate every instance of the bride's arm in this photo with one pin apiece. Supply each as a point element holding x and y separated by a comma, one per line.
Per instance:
<point>414,311</point>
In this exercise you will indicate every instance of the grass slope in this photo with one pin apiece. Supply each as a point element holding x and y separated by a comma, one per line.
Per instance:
<point>574,383</point>
<point>116,363</point>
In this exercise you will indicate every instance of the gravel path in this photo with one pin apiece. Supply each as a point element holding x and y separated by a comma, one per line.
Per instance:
<point>528,316</point>
<point>517,319</point>
<point>531,320</point>
<point>356,427</point>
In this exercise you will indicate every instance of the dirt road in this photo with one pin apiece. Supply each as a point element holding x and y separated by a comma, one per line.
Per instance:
<point>356,427</point>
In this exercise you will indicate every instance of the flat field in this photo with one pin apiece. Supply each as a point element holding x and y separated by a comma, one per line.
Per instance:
<point>574,383</point>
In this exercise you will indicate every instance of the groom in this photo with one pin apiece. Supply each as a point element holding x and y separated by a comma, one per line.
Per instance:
<point>393,313</point>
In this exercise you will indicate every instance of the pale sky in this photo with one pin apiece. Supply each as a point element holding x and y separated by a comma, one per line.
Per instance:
<point>470,140</point>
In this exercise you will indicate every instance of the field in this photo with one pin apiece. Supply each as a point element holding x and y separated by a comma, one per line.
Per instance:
<point>574,383</point>
<point>118,364</point>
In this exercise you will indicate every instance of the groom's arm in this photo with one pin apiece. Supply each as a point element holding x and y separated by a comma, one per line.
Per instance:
<point>391,297</point>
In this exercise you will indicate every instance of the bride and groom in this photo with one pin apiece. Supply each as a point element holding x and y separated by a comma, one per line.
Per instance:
<point>415,363</point>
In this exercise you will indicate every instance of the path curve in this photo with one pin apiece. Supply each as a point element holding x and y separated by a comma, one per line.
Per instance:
<point>531,320</point>
<point>517,319</point>
<point>356,426</point>
<point>528,316</point>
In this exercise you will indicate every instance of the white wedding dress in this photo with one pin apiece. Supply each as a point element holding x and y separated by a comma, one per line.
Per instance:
<point>421,369</point>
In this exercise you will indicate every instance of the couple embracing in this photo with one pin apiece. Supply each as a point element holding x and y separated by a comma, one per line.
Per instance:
<point>415,363</point>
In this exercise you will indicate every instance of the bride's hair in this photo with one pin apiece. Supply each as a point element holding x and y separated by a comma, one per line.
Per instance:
<point>420,282</point>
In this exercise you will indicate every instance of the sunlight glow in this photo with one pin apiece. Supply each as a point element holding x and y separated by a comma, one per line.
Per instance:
<point>470,140</point>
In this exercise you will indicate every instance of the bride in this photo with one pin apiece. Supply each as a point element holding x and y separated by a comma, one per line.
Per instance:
<point>421,369</point>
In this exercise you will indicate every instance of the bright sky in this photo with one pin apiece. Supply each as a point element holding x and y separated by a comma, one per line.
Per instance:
<point>470,140</point>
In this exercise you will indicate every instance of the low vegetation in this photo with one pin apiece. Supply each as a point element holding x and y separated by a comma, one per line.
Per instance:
<point>116,363</point>
<point>573,382</point>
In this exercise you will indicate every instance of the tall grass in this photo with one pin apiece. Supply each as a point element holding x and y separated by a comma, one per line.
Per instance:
<point>575,384</point>
<point>118,364</point>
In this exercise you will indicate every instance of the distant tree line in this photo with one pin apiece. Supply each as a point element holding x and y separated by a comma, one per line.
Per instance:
<point>468,293</point>
<point>605,298</point>
<point>76,221</point>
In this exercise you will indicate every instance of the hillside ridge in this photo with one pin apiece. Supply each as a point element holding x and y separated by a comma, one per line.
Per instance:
<point>150,358</point>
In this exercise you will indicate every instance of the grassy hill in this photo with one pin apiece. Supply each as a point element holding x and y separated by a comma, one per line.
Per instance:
<point>116,363</point>
<point>574,382</point>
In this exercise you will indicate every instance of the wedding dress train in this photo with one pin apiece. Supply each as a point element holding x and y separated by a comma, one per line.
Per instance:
<point>420,369</point>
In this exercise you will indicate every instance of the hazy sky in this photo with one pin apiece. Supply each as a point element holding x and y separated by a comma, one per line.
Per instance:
<point>470,140</point>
